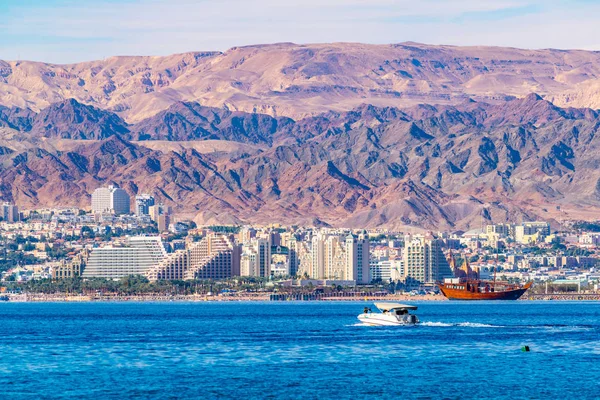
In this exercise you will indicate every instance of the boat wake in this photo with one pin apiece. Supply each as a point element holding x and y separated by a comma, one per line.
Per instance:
<point>478,325</point>
<point>564,328</point>
<point>550,328</point>
<point>463,324</point>
<point>436,324</point>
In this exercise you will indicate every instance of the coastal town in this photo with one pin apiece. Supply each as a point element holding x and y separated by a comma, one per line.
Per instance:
<point>114,242</point>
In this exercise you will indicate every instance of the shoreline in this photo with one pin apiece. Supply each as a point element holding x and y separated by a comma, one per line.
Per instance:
<point>64,298</point>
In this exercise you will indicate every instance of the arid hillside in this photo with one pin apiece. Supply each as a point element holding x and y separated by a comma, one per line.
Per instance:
<point>291,80</point>
<point>423,166</point>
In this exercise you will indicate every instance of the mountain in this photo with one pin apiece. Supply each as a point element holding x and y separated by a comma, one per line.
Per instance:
<point>298,81</point>
<point>70,119</point>
<point>424,166</point>
<point>16,118</point>
<point>185,121</point>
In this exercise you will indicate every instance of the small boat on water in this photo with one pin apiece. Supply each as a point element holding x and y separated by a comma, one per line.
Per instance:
<point>391,314</point>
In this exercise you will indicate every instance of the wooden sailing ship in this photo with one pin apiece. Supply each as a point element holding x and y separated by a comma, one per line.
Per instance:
<point>468,286</point>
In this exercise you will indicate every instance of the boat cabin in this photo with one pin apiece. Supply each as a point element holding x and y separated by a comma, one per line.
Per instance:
<point>395,308</point>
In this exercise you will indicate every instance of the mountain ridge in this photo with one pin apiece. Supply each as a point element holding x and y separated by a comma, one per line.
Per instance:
<point>300,80</point>
<point>425,166</point>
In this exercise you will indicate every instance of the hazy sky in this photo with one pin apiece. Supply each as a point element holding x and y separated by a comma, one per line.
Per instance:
<point>64,31</point>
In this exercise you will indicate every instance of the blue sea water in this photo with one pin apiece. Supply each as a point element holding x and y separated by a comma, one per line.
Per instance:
<point>312,350</point>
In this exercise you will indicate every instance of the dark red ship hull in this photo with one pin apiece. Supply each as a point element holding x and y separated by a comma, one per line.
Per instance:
<point>453,293</point>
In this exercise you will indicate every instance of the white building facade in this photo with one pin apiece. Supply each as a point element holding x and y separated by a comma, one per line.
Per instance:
<point>135,256</point>
<point>110,199</point>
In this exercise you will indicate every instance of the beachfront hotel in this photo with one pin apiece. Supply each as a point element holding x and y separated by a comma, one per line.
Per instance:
<point>213,257</point>
<point>133,257</point>
<point>424,260</point>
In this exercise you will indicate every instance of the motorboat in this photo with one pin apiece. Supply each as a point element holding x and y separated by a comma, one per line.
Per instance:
<point>391,314</point>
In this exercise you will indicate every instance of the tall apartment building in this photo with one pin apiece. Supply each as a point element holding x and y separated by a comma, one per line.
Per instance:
<point>110,200</point>
<point>136,256</point>
<point>161,214</point>
<point>318,256</point>
<point>424,260</point>
<point>335,257</point>
<point>332,256</point>
<point>304,257</point>
<point>248,262</point>
<point>143,202</point>
<point>214,257</point>
<point>10,212</point>
<point>357,258</point>
<point>292,245</point>
<point>256,258</point>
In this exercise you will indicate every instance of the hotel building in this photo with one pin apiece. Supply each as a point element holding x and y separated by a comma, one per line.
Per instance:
<point>110,200</point>
<point>214,257</point>
<point>424,260</point>
<point>136,256</point>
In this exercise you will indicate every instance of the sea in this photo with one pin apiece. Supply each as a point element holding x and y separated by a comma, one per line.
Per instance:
<point>298,350</point>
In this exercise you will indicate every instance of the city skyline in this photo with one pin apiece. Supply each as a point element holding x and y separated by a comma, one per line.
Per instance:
<point>233,199</point>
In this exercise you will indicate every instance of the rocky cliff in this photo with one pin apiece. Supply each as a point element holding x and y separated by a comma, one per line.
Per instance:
<point>428,166</point>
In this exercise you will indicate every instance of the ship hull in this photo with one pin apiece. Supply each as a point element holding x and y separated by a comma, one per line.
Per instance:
<point>456,294</point>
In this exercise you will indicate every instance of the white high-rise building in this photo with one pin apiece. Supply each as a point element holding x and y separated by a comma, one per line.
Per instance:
<point>111,199</point>
<point>357,258</point>
<point>318,256</point>
<point>248,264</point>
<point>136,256</point>
<point>304,259</point>
<point>333,256</point>
<point>256,258</point>
<point>424,260</point>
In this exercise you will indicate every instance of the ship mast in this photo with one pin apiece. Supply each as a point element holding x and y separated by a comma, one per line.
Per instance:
<point>496,266</point>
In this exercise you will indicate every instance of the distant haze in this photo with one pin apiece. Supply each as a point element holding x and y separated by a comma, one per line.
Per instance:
<point>65,31</point>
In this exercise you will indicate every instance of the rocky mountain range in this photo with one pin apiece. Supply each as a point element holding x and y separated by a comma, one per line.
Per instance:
<point>423,166</point>
<point>297,81</point>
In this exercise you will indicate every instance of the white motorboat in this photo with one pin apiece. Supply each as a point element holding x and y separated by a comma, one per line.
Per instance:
<point>391,314</point>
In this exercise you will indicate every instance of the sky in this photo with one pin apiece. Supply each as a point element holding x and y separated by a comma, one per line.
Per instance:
<point>66,31</point>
